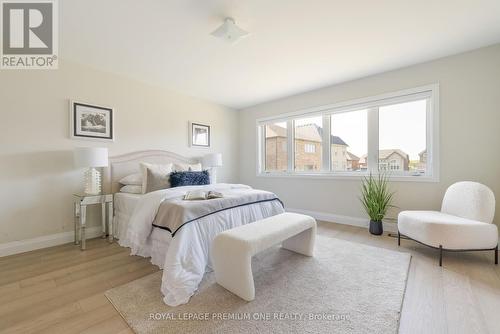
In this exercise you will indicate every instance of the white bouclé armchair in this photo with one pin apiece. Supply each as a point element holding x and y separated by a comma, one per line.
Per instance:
<point>465,222</point>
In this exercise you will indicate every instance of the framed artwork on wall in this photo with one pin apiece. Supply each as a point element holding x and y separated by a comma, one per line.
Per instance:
<point>199,135</point>
<point>91,122</point>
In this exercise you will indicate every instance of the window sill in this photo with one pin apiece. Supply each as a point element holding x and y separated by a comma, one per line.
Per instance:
<point>348,176</point>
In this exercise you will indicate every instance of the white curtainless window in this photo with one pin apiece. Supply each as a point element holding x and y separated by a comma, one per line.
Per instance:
<point>394,133</point>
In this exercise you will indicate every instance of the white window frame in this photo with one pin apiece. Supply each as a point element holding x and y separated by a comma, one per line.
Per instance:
<point>430,92</point>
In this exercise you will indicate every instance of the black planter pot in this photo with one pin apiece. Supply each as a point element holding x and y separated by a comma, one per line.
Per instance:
<point>376,227</point>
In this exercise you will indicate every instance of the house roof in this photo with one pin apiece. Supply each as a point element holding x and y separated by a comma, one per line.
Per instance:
<point>351,156</point>
<point>384,154</point>
<point>310,132</point>
<point>273,130</point>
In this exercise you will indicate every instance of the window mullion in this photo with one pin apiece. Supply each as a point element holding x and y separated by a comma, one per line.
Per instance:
<point>290,135</point>
<point>429,140</point>
<point>261,134</point>
<point>372,155</point>
<point>326,151</point>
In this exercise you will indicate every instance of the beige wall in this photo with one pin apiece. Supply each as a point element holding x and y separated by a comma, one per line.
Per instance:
<point>37,176</point>
<point>469,131</point>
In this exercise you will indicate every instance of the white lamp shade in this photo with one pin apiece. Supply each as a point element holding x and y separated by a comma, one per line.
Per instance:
<point>212,160</point>
<point>91,157</point>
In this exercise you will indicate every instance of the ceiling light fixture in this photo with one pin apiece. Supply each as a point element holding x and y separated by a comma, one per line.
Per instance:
<point>229,31</point>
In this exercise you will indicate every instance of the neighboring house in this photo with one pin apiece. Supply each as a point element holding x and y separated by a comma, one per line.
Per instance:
<point>393,160</point>
<point>423,156</point>
<point>338,154</point>
<point>389,160</point>
<point>276,157</point>
<point>421,165</point>
<point>307,149</point>
<point>352,162</point>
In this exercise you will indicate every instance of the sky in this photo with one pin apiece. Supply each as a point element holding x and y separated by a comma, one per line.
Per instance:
<point>401,126</point>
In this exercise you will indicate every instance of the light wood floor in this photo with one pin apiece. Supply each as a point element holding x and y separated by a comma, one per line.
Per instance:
<point>61,289</point>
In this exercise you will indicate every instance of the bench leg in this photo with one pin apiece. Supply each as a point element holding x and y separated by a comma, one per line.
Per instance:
<point>440,255</point>
<point>302,243</point>
<point>233,270</point>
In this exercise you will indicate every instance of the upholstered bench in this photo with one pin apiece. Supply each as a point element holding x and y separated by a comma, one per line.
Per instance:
<point>232,250</point>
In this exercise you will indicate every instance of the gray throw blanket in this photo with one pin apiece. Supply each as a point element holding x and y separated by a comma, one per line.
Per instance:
<point>176,212</point>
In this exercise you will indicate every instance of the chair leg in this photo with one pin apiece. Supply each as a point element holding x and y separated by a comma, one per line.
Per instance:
<point>399,238</point>
<point>440,255</point>
<point>496,254</point>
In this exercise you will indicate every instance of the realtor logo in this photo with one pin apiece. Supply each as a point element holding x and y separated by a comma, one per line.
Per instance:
<point>29,34</point>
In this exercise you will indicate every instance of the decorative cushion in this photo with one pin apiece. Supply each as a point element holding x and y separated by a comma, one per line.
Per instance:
<point>131,189</point>
<point>179,179</point>
<point>132,179</point>
<point>155,177</point>
<point>435,228</point>
<point>187,167</point>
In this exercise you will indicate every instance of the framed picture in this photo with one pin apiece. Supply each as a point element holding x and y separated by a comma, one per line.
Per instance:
<point>90,121</point>
<point>199,135</point>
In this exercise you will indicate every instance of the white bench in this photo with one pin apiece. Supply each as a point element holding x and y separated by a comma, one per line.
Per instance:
<point>232,250</point>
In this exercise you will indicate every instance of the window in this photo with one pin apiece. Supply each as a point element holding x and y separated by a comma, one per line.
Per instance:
<point>402,136</point>
<point>310,148</point>
<point>276,146</point>
<point>394,133</point>
<point>308,136</point>
<point>349,143</point>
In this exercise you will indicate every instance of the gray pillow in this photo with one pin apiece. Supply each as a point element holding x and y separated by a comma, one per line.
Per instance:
<point>155,177</point>
<point>156,180</point>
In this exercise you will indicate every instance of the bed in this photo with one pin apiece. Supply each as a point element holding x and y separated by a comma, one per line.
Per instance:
<point>183,253</point>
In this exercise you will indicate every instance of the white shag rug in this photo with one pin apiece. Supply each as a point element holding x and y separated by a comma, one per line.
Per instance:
<point>345,288</point>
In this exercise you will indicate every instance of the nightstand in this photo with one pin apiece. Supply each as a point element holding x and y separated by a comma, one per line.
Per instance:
<point>80,207</point>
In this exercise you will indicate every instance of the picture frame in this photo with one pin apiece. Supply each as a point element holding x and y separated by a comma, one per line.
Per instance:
<point>91,122</point>
<point>199,135</point>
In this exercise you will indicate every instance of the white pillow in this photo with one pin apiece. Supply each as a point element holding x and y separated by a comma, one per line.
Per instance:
<point>155,177</point>
<point>187,167</point>
<point>132,179</point>
<point>131,189</point>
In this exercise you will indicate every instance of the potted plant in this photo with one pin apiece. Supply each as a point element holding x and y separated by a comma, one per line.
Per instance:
<point>376,199</point>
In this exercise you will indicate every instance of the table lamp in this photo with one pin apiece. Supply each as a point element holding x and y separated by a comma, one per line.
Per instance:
<point>90,158</point>
<point>212,161</point>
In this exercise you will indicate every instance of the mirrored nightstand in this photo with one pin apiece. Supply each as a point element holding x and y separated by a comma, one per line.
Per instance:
<point>80,207</point>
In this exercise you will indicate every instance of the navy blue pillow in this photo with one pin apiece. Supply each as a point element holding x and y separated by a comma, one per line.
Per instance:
<point>179,179</point>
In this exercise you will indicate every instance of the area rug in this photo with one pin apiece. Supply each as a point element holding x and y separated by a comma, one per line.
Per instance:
<point>345,288</point>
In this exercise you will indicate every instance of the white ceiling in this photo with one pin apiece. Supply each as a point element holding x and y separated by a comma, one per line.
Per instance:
<point>295,46</point>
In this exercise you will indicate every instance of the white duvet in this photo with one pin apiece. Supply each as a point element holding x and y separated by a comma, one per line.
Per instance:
<point>185,257</point>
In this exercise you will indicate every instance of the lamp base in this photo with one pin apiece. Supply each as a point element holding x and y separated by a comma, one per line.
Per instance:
<point>92,181</point>
<point>213,175</point>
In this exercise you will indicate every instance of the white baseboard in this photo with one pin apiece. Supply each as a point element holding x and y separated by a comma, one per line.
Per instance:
<point>21,246</point>
<point>16,247</point>
<point>339,219</point>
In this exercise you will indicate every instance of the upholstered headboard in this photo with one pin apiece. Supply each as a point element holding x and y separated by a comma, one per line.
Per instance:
<point>126,164</point>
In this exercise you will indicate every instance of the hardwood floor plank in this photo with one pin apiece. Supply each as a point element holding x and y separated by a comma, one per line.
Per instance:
<point>15,311</point>
<point>462,309</point>
<point>114,324</point>
<point>44,320</point>
<point>83,321</point>
<point>24,272</point>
